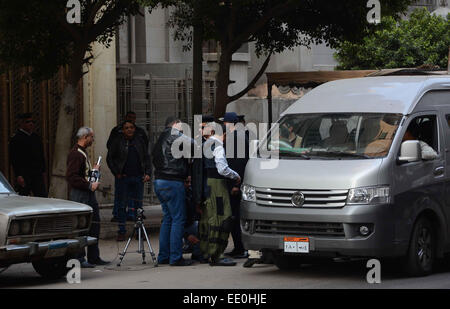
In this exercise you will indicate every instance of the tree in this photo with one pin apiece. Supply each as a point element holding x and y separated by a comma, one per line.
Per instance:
<point>274,25</point>
<point>423,39</point>
<point>36,33</point>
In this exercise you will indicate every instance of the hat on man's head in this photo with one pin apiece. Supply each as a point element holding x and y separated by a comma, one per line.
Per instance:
<point>208,118</point>
<point>25,116</point>
<point>171,120</point>
<point>230,117</point>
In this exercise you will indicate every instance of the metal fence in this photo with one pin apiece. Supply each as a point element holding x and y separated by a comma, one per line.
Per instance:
<point>153,99</point>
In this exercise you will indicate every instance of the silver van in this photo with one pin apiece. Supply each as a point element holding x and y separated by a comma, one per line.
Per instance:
<point>363,171</point>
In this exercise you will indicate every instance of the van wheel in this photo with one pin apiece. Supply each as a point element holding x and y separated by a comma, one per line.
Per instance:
<point>421,252</point>
<point>287,262</point>
<point>53,268</point>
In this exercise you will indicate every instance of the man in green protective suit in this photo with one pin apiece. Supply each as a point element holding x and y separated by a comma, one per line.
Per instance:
<point>216,221</point>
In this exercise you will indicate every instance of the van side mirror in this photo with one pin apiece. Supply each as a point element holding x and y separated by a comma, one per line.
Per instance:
<point>410,152</point>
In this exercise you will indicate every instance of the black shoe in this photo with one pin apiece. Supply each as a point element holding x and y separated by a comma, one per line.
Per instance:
<point>86,264</point>
<point>99,261</point>
<point>237,254</point>
<point>199,259</point>
<point>223,262</point>
<point>182,262</point>
<point>243,255</point>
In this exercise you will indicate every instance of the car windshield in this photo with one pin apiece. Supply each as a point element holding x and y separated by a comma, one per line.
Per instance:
<point>334,136</point>
<point>5,187</point>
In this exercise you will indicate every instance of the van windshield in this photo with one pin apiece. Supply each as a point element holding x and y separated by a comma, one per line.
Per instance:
<point>335,136</point>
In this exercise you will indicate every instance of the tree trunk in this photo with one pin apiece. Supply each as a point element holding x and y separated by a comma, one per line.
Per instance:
<point>64,129</point>
<point>197,78</point>
<point>222,82</point>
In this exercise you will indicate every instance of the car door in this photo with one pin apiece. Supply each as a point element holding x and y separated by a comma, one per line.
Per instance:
<point>419,183</point>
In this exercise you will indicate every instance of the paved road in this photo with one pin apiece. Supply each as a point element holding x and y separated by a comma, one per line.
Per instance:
<point>343,274</point>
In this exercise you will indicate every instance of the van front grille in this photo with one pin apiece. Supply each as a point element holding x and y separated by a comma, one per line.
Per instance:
<point>287,228</point>
<point>313,198</point>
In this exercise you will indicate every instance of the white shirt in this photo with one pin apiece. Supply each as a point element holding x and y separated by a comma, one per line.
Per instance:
<point>221,161</point>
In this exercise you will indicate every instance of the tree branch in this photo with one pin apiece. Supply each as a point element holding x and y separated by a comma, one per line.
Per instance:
<point>253,28</point>
<point>253,82</point>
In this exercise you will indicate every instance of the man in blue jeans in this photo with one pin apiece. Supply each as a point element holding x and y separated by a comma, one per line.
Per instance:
<point>129,161</point>
<point>170,174</point>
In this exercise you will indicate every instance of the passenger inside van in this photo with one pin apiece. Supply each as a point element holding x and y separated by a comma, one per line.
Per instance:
<point>338,135</point>
<point>414,132</point>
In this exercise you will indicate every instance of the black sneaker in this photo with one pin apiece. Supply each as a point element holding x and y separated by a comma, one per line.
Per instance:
<point>182,262</point>
<point>99,261</point>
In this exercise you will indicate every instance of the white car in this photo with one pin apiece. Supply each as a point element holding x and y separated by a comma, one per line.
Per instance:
<point>46,232</point>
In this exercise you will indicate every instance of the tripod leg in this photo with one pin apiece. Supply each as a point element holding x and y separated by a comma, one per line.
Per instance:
<point>141,244</point>
<point>122,255</point>
<point>152,253</point>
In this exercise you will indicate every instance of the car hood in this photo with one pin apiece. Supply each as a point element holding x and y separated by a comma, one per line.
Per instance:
<point>15,205</point>
<point>313,174</point>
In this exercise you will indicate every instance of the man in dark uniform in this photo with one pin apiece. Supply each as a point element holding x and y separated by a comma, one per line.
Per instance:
<point>237,158</point>
<point>27,158</point>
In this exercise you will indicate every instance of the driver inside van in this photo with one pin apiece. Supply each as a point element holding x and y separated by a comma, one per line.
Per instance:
<point>413,133</point>
<point>287,134</point>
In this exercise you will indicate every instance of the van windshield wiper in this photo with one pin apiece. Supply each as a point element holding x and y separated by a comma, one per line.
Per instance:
<point>294,154</point>
<point>340,154</point>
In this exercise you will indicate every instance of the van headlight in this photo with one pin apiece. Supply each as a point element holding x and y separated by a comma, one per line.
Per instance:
<point>248,193</point>
<point>369,195</point>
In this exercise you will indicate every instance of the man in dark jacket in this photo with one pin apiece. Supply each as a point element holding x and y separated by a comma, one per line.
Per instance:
<point>170,174</point>
<point>83,191</point>
<point>129,162</point>
<point>27,158</point>
<point>237,160</point>
<point>117,132</point>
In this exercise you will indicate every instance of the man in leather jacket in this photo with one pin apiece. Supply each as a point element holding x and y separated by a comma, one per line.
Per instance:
<point>170,174</point>
<point>129,162</point>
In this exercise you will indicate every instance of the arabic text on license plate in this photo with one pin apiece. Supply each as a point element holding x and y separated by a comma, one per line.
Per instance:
<point>296,244</point>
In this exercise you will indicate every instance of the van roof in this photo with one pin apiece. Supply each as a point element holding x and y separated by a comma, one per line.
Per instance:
<point>383,94</point>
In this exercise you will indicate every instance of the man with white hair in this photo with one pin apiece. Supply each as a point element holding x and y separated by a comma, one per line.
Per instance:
<point>83,191</point>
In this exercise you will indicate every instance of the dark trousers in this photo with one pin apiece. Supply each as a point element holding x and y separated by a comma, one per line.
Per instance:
<point>88,198</point>
<point>129,192</point>
<point>235,201</point>
<point>33,184</point>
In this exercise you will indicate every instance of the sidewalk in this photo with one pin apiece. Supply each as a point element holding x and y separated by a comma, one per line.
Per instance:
<point>108,229</point>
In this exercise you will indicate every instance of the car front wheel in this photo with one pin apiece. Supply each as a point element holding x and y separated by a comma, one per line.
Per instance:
<point>53,268</point>
<point>421,252</point>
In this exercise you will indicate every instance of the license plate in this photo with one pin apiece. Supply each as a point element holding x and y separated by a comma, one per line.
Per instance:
<point>296,244</point>
<point>55,250</point>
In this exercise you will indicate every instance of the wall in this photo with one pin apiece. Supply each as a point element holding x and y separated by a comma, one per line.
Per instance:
<point>100,110</point>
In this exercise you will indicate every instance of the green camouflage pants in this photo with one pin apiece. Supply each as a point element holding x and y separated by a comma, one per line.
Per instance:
<point>215,222</point>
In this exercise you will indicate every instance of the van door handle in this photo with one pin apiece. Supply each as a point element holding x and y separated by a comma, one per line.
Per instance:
<point>439,171</point>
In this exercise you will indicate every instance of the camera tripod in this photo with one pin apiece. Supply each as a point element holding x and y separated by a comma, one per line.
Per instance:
<point>139,227</point>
